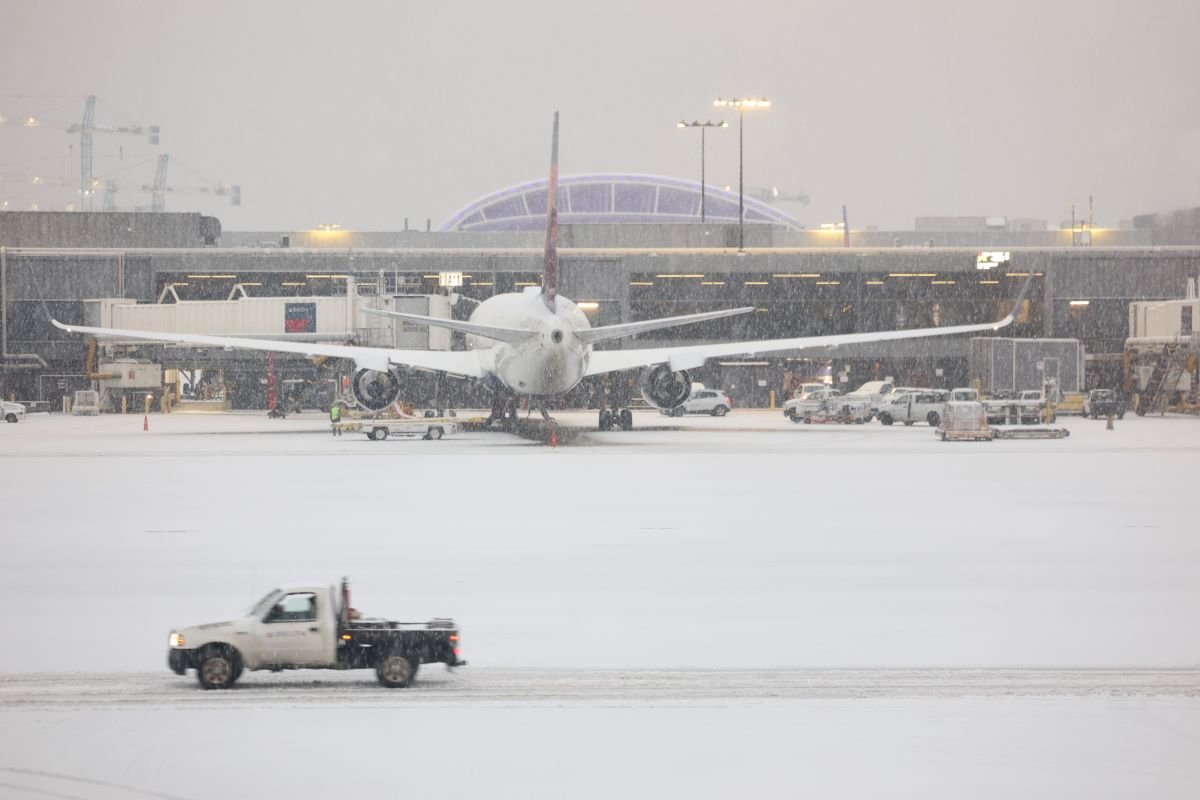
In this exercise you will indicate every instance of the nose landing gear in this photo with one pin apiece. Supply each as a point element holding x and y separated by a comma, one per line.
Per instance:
<point>612,418</point>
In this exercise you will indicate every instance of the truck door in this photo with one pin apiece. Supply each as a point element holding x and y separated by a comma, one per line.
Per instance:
<point>292,631</point>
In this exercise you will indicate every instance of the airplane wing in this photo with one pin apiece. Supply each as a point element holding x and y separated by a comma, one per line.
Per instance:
<point>512,335</point>
<point>693,356</point>
<point>606,332</point>
<point>465,362</point>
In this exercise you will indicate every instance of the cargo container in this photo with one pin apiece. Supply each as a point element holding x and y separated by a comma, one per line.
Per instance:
<point>1016,365</point>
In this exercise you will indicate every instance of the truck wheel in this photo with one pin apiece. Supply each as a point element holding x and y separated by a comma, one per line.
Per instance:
<point>886,419</point>
<point>379,434</point>
<point>933,419</point>
<point>396,671</point>
<point>720,411</point>
<point>10,418</point>
<point>434,434</point>
<point>218,668</point>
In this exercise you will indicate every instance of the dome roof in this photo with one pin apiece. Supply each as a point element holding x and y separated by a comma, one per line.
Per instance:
<point>612,198</point>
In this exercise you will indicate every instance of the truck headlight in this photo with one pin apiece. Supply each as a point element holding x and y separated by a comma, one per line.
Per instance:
<point>176,640</point>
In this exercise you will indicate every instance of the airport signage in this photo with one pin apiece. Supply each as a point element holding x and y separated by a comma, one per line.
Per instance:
<point>989,259</point>
<point>450,280</point>
<point>300,318</point>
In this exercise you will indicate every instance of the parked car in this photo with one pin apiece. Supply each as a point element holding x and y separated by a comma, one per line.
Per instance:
<point>1103,402</point>
<point>924,405</point>
<point>704,401</point>
<point>13,412</point>
<point>797,409</point>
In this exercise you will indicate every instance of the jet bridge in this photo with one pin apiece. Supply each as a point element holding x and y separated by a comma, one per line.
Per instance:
<point>313,318</point>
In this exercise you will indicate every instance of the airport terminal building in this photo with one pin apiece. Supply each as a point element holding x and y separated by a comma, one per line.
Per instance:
<point>631,248</point>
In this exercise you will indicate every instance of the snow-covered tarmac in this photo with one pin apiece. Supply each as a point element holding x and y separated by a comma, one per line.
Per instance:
<point>699,607</point>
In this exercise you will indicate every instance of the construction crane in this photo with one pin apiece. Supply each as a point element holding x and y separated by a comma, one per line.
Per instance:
<point>86,128</point>
<point>159,189</point>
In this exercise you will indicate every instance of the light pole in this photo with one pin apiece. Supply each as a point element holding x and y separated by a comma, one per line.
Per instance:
<point>741,104</point>
<point>703,126</point>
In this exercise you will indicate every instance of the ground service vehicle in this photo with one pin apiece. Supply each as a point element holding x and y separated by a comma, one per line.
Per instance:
<point>870,395</point>
<point>1103,403</point>
<point>12,412</point>
<point>1071,403</point>
<point>704,401</point>
<point>1025,409</point>
<point>809,391</point>
<point>311,628</point>
<point>380,429</point>
<point>799,409</point>
<point>915,406</point>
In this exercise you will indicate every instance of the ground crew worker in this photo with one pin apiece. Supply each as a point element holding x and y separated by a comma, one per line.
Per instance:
<point>335,416</point>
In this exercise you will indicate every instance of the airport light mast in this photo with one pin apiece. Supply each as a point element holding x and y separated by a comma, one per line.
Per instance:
<point>703,126</point>
<point>741,104</point>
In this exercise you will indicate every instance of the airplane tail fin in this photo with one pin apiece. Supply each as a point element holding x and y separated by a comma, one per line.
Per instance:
<point>550,265</point>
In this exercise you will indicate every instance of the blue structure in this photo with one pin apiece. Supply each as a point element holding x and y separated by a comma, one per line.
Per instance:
<point>614,198</point>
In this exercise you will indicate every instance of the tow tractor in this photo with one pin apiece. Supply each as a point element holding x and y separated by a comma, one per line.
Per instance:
<point>311,627</point>
<point>377,430</point>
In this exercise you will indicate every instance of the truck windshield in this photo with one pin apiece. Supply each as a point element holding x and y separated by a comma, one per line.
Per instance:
<point>260,608</point>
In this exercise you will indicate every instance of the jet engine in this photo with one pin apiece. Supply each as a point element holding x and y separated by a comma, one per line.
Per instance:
<point>663,388</point>
<point>374,390</point>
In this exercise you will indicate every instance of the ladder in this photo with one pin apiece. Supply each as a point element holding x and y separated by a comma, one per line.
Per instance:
<point>1164,381</point>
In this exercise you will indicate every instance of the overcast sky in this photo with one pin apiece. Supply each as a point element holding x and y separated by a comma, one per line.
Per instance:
<point>365,113</point>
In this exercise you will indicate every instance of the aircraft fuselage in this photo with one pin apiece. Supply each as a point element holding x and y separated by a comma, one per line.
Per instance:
<point>552,361</point>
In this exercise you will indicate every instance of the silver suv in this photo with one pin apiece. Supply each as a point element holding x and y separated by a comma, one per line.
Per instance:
<point>704,401</point>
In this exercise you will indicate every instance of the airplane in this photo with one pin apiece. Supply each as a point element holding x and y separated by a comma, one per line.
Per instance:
<point>538,343</point>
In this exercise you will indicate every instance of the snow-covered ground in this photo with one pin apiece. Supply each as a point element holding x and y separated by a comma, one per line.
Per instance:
<point>691,548</point>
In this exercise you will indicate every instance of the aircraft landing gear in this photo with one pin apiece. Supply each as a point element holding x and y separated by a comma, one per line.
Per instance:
<point>504,411</point>
<point>612,418</point>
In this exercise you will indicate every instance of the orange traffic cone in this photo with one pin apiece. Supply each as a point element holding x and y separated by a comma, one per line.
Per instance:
<point>554,438</point>
<point>146,422</point>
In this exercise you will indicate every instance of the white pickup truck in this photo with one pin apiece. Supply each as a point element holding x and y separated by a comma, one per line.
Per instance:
<point>311,628</point>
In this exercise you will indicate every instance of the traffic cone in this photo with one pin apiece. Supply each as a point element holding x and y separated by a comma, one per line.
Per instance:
<point>554,438</point>
<point>146,423</point>
<point>1110,425</point>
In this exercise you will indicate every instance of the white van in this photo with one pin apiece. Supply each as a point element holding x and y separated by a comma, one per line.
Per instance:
<point>909,407</point>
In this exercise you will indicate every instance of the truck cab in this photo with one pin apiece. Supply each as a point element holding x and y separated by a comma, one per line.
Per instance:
<point>309,627</point>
